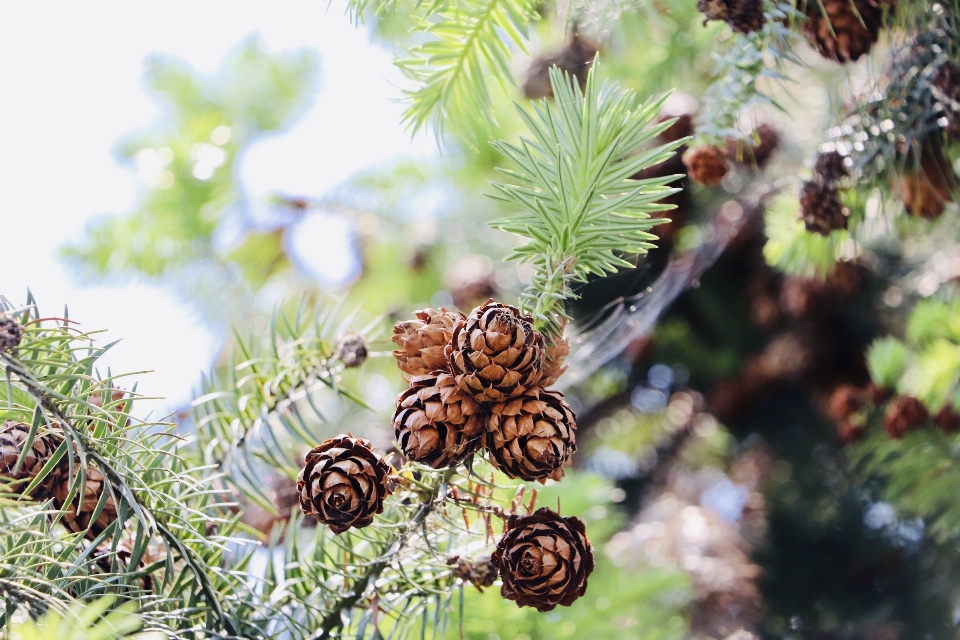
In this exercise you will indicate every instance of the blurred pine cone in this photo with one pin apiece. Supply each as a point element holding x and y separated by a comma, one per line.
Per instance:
<point>436,423</point>
<point>13,437</point>
<point>903,414</point>
<point>544,560</point>
<point>947,420</point>
<point>11,333</point>
<point>843,30</point>
<point>554,367</point>
<point>423,341</point>
<point>343,483</point>
<point>755,151</point>
<point>743,16</point>
<point>946,89</point>
<point>926,189</point>
<point>480,572</point>
<point>471,280</point>
<point>820,207</point>
<point>351,350</point>
<point>80,520</point>
<point>845,408</point>
<point>829,167</point>
<point>495,352</point>
<point>575,58</point>
<point>706,165</point>
<point>532,436</point>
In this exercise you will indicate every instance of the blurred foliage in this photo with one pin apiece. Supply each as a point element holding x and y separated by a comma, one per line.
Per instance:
<point>84,622</point>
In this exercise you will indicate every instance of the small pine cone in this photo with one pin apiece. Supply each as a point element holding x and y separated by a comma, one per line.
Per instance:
<point>79,520</point>
<point>471,280</point>
<point>843,30</point>
<point>945,86</point>
<point>422,341</point>
<point>947,420</point>
<point>544,560</point>
<point>877,394</point>
<point>755,151</point>
<point>706,165</point>
<point>533,436</point>
<point>903,414</point>
<point>927,189</point>
<point>743,16</point>
<point>845,408</point>
<point>351,350</point>
<point>480,572</point>
<point>576,58</point>
<point>829,167</point>
<point>11,333</point>
<point>820,207</point>
<point>436,423</point>
<point>554,367</point>
<point>343,483</point>
<point>496,353</point>
<point>13,436</point>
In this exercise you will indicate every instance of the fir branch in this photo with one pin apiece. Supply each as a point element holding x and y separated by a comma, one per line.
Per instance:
<point>582,208</point>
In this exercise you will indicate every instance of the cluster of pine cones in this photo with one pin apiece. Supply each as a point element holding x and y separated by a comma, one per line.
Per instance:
<point>480,381</point>
<point>849,407</point>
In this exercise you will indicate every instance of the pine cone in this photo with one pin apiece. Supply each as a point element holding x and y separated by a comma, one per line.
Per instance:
<point>844,408</point>
<point>945,86</point>
<point>743,16</point>
<point>480,572</point>
<point>706,165</point>
<point>850,38</point>
<point>495,352</point>
<point>758,149</point>
<point>554,367</point>
<point>544,560</point>
<point>79,520</point>
<point>820,207</point>
<point>351,350</point>
<point>422,341</point>
<point>343,483</point>
<point>471,280</point>
<point>903,414</point>
<point>947,420</point>
<point>11,333</point>
<point>829,167</point>
<point>576,58</point>
<point>13,436</point>
<point>927,189</point>
<point>437,423</point>
<point>532,436</point>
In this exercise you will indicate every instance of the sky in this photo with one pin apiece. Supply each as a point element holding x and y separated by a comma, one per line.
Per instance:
<point>71,77</point>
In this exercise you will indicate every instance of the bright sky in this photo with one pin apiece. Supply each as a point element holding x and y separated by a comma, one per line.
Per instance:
<point>71,87</point>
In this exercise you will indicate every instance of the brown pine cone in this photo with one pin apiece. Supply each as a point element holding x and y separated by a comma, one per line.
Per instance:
<point>544,560</point>
<point>471,280</point>
<point>343,483</point>
<point>763,142</point>
<point>422,341</point>
<point>829,167</point>
<point>820,207</point>
<point>743,16</point>
<point>80,520</point>
<point>945,87</point>
<point>576,58</point>
<point>351,350</point>
<point>11,333</point>
<point>495,352</point>
<point>480,572</point>
<point>845,408</point>
<point>532,436</point>
<point>436,423</point>
<point>903,414</point>
<point>928,188</point>
<point>843,30</point>
<point>554,367</point>
<point>947,420</point>
<point>13,436</point>
<point>706,165</point>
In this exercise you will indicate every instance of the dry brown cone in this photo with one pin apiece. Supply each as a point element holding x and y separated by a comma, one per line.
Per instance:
<point>755,151</point>
<point>845,408</point>
<point>947,420</point>
<point>743,16</point>
<point>480,572</point>
<point>78,513</point>
<point>13,436</point>
<point>829,167</point>
<point>927,188</point>
<point>554,366</point>
<point>575,58</point>
<point>422,341</point>
<point>903,414</point>
<point>436,423</point>
<point>11,333</point>
<point>706,165</point>
<point>533,436</point>
<point>343,483</point>
<point>820,207</point>
<point>496,353</point>
<point>544,560</point>
<point>351,350</point>
<point>843,30</point>
<point>945,87</point>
